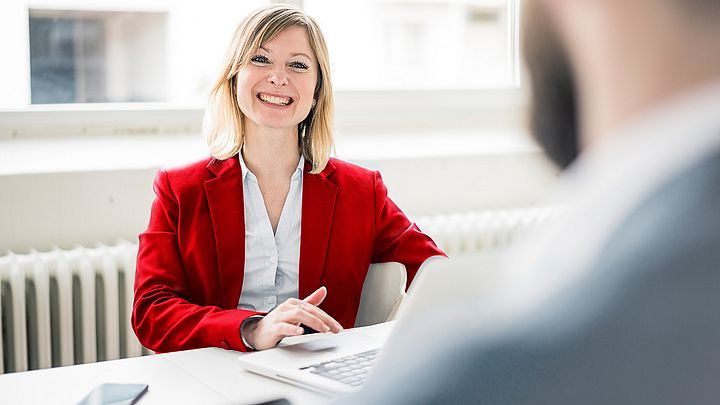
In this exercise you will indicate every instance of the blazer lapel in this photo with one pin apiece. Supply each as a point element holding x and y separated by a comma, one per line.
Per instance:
<point>318,204</point>
<point>225,200</point>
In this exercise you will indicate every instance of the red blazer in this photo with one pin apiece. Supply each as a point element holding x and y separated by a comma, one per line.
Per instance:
<point>191,259</point>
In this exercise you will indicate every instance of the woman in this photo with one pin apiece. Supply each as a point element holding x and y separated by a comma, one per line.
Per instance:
<point>236,238</point>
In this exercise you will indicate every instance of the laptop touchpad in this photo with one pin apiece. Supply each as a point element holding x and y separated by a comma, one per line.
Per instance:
<point>327,345</point>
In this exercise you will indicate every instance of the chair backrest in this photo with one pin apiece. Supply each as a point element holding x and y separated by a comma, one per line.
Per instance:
<point>382,293</point>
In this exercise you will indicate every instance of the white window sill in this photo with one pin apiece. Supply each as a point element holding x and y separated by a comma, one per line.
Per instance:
<point>101,153</point>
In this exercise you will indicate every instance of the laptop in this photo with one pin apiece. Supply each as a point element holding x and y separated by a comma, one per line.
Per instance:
<point>339,363</point>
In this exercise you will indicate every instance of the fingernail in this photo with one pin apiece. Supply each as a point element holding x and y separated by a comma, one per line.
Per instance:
<point>326,328</point>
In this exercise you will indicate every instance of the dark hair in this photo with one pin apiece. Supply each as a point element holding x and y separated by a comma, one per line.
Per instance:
<point>554,113</point>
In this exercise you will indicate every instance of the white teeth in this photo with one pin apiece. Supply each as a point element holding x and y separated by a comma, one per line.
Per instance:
<point>274,100</point>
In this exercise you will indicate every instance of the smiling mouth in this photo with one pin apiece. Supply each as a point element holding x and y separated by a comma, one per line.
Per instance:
<point>274,100</point>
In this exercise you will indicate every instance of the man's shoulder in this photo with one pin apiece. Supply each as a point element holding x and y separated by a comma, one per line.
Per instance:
<point>642,314</point>
<point>673,219</point>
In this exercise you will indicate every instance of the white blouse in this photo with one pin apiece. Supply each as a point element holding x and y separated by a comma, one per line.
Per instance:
<point>271,260</point>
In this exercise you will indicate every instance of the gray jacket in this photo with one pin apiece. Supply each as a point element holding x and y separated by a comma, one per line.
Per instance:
<point>642,326</point>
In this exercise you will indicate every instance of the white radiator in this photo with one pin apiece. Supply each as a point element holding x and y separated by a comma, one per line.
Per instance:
<point>473,232</point>
<point>67,307</point>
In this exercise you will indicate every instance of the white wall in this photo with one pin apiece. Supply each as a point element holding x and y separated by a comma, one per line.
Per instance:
<point>38,210</point>
<point>41,210</point>
<point>447,184</point>
<point>15,77</point>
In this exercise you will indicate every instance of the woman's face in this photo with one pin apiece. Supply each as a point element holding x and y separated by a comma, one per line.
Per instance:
<point>275,88</point>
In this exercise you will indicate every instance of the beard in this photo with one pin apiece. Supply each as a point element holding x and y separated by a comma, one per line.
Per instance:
<point>553,111</point>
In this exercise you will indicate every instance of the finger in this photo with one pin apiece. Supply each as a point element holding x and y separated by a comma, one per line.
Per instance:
<point>276,332</point>
<point>328,320</point>
<point>317,296</point>
<point>288,305</point>
<point>298,316</point>
<point>293,302</point>
<point>285,329</point>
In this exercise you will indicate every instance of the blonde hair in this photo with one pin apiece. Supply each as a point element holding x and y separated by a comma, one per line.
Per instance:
<point>223,121</point>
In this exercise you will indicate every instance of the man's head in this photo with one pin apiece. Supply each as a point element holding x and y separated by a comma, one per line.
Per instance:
<point>595,64</point>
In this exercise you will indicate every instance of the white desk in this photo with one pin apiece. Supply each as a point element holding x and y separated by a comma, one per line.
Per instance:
<point>167,383</point>
<point>203,376</point>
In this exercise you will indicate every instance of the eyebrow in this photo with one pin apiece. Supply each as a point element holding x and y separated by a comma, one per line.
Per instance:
<point>301,54</point>
<point>292,54</point>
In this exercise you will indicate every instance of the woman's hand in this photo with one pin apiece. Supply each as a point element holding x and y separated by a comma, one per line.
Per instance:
<point>286,318</point>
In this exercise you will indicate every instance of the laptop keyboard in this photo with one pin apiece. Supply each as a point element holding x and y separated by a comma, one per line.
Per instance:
<point>350,370</point>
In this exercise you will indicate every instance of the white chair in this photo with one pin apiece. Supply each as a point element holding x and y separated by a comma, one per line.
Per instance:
<point>382,293</point>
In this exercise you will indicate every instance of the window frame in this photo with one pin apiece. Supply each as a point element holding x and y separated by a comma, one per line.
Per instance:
<point>357,111</point>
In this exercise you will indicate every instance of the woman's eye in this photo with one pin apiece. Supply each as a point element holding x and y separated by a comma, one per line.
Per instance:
<point>260,59</point>
<point>299,65</point>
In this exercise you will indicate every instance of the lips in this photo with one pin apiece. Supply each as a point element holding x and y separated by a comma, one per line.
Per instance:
<point>274,99</point>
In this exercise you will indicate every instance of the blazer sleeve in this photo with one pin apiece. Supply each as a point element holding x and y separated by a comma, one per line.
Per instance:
<point>396,238</point>
<point>163,318</point>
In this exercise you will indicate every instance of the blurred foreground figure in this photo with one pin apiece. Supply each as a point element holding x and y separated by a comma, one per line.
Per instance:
<point>620,303</point>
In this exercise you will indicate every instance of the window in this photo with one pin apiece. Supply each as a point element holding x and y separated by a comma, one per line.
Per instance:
<point>116,51</point>
<point>89,57</point>
<point>396,64</point>
<point>418,44</point>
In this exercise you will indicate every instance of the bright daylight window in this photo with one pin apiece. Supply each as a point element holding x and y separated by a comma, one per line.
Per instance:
<point>84,51</point>
<point>82,56</point>
<point>419,44</point>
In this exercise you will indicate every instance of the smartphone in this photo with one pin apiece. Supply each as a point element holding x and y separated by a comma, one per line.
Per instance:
<point>116,394</point>
<point>279,401</point>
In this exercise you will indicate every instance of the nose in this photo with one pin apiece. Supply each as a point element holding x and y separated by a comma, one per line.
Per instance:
<point>278,77</point>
